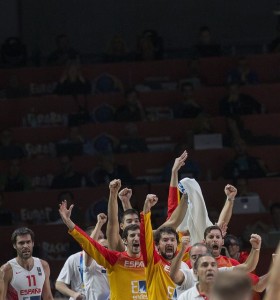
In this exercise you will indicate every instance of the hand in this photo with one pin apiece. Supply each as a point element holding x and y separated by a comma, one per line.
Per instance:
<point>101,219</point>
<point>255,241</point>
<point>150,201</point>
<point>115,185</point>
<point>125,194</point>
<point>180,161</point>
<point>78,296</point>
<point>230,192</point>
<point>185,241</point>
<point>65,214</point>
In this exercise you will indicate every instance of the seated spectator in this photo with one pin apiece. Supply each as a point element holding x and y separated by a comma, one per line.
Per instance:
<point>103,113</point>
<point>236,103</point>
<point>234,246</point>
<point>63,52</point>
<point>117,50</point>
<point>243,164</point>
<point>132,110</point>
<point>15,180</point>
<point>72,81</point>
<point>68,177</point>
<point>101,206</point>
<point>243,188</point>
<point>194,77</point>
<point>107,83</point>
<point>72,145</point>
<point>107,170</point>
<point>188,107</point>
<point>131,141</point>
<point>150,46</point>
<point>202,125</point>
<point>13,52</point>
<point>242,74</point>
<point>8,149</point>
<point>15,89</point>
<point>206,47</point>
<point>7,217</point>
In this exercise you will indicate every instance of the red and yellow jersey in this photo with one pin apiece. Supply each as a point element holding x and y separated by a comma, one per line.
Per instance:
<point>159,284</point>
<point>224,261</point>
<point>126,274</point>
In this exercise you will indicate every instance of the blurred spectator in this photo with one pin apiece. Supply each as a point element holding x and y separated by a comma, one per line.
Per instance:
<point>131,141</point>
<point>117,50</point>
<point>73,144</point>
<point>275,215</point>
<point>103,113</point>
<point>234,246</point>
<point>63,52</point>
<point>202,125</point>
<point>206,47</point>
<point>107,83</point>
<point>100,206</point>
<point>150,46</point>
<point>236,103</point>
<point>242,74</point>
<point>107,170</point>
<point>15,180</point>
<point>8,149</point>
<point>188,107</point>
<point>194,77</point>
<point>7,218</point>
<point>243,164</point>
<point>13,52</point>
<point>72,81</point>
<point>132,110</point>
<point>68,177</point>
<point>243,188</point>
<point>15,89</point>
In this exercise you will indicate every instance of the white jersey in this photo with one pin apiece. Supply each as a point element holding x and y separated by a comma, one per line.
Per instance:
<point>26,285</point>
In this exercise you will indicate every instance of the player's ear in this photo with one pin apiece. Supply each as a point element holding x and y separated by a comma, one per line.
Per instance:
<point>121,226</point>
<point>125,241</point>
<point>14,246</point>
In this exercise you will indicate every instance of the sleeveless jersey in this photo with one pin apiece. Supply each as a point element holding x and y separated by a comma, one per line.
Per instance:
<point>26,285</point>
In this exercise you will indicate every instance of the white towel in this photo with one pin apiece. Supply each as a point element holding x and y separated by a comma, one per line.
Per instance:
<point>196,219</point>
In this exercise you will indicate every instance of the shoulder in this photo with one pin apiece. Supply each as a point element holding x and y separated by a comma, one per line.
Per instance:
<point>7,271</point>
<point>45,266</point>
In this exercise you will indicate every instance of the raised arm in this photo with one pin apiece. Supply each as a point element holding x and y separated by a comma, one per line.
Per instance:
<point>226,212</point>
<point>114,239</point>
<point>125,195</point>
<point>101,220</point>
<point>251,262</point>
<point>46,292</point>
<point>175,273</point>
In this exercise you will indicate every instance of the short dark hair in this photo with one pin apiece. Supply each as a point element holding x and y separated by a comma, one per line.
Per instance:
<point>230,237</point>
<point>273,206</point>
<point>210,228</point>
<point>130,211</point>
<point>131,227</point>
<point>195,265</point>
<point>166,229</point>
<point>21,231</point>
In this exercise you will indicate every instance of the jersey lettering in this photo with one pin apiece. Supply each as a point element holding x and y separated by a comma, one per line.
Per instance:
<point>30,291</point>
<point>133,264</point>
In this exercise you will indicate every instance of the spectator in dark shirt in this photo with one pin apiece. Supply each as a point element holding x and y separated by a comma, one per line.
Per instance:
<point>242,74</point>
<point>117,50</point>
<point>68,177</point>
<point>132,110</point>
<point>9,150</point>
<point>206,47</point>
<point>236,103</point>
<point>72,81</point>
<point>15,180</point>
<point>63,52</point>
<point>188,107</point>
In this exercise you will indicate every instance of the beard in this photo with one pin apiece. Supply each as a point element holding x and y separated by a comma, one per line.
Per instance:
<point>167,256</point>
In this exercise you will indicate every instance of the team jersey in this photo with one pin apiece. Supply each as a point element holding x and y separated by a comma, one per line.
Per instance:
<point>26,285</point>
<point>159,284</point>
<point>126,274</point>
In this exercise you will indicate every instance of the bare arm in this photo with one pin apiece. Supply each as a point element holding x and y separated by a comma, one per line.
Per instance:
<point>251,262</point>
<point>101,220</point>
<point>264,281</point>
<point>175,273</point>
<point>226,212</point>
<point>1,284</point>
<point>46,292</point>
<point>125,196</point>
<point>7,275</point>
<point>65,290</point>
<point>112,232</point>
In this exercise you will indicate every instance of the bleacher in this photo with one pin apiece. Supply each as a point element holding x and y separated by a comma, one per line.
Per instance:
<point>53,239</point>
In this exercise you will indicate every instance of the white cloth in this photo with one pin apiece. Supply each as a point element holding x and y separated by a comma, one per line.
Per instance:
<point>189,281</point>
<point>26,284</point>
<point>196,219</point>
<point>191,294</point>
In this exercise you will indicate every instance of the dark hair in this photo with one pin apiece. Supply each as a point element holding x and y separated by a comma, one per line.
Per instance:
<point>131,227</point>
<point>232,285</point>
<point>195,265</point>
<point>273,206</point>
<point>204,28</point>
<point>21,231</point>
<point>130,211</point>
<point>210,228</point>
<point>168,230</point>
<point>230,237</point>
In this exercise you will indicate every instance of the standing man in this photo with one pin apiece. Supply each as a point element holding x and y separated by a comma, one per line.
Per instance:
<point>25,276</point>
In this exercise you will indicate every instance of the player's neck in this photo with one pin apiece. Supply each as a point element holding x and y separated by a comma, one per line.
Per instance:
<point>25,263</point>
<point>204,288</point>
<point>134,255</point>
